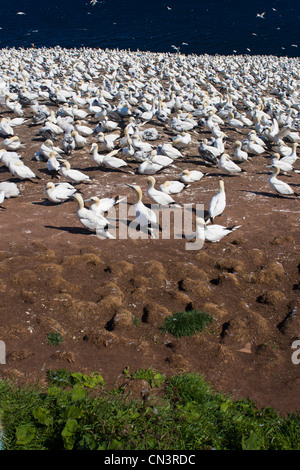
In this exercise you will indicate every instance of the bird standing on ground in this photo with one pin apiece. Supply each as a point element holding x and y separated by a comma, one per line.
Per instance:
<point>218,202</point>
<point>144,215</point>
<point>239,154</point>
<point>89,219</point>
<point>53,165</point>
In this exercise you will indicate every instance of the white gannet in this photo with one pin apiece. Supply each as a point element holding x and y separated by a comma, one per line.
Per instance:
<point>212,233</point>
<point>172,187</point>
<point>50,129</point>
<point>292,157</point>
<point>234,122</point>
<point>250,145</point>
<point>256,138</point>
<point>7,157</point>
<point>6,129</point>
<point>157,196</point>
<point>218,202</point>
<point>279,186</point>
<point>112,162</point>
<point>45,149</point>
<point>158,159</point>
<point>128,150</point>
<point>80,140</point>
<point>20,170</point>
<point>103,205</point>
<point>10,189</point>
<point>12,143</point>
<point>96,157</point>
<point>149,168</point>
<point>282,148</point>
<point>190,176</point>
<point>53,164</point>
<point>107,125</point>
<point>59,192</point>
<point>180,123</point>
<point>292,136</point>
<point>144,215</point>
<point>79,113</point>
<point>239,154</point>
<point>107,141</point>
<point>226,164</point>
<point>72,175</point>
<point>168,150</point>
<point>89,219</point>
<point>284,165</point>
<point>2,197</point>
<point>18,121</point>
<point>182,140</point>
<point>83,130</point>
<point>138,144</point>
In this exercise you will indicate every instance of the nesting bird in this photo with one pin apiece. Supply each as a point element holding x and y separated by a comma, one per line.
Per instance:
<point>279,186</point>
<point>73,175</point>
<point>59,192</point>
<point>226,164</point>
<point>192,176</point>
<point>212,233</point>
<point>159,197</point>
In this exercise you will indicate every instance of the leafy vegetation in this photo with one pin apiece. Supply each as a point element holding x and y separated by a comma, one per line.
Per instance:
<point>54,338</point>
<point>76,412</point>
<point>186,323</point>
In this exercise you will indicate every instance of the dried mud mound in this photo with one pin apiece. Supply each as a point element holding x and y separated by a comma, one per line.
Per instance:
<point>109,313</point>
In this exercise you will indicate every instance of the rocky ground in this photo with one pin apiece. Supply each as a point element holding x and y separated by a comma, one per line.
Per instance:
<point>108,298</point>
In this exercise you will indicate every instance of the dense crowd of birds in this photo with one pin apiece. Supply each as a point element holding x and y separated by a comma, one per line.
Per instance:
<point>140,113</point>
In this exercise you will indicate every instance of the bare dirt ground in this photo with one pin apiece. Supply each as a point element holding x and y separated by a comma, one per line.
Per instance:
<point>108,298</point>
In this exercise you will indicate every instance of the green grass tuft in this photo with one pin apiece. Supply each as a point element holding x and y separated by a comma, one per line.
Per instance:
<point>186,323</point>
<point>54,338</point>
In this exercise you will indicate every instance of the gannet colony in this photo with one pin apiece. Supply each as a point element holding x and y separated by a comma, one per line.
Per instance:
<point>140,113</point>
<point>84,132</point>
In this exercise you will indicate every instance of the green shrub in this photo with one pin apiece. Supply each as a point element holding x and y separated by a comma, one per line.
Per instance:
<point>75,412</point>
<point>186,323</point>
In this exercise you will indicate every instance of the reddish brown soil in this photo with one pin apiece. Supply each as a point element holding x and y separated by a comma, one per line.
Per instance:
<point>108,298</point>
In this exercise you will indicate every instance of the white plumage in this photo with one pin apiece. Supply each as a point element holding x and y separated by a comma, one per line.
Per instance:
<point>59,192</point>
<point>212,233</point>
<point>218,202</point>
